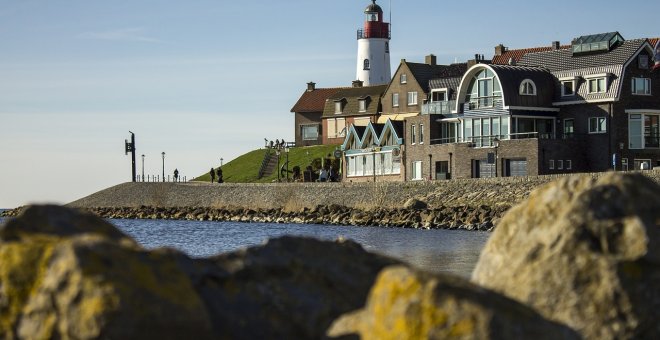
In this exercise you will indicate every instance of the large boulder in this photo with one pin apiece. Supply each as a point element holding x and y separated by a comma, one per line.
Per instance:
<point>584,252</point>
<point>67,274</point>
<point>288,288</point>
<point>408,304</point>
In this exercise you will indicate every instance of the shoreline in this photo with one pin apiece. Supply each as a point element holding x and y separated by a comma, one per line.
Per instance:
<point>482,218</point>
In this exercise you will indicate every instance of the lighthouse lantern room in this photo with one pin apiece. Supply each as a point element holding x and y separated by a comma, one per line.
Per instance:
<point>373,61</point>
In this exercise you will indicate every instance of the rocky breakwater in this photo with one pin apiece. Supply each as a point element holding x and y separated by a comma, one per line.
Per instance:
<point>579,259</point>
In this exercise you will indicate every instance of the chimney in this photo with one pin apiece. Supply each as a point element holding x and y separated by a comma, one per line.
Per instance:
<point>311,86</point>
<point>471,63</point>
<point>357,83</point>
<point>500,49</point>
<point>431,60</point>
<point>555,45</point>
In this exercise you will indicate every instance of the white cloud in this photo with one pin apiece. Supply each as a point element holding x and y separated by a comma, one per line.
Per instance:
<point>135,34</point>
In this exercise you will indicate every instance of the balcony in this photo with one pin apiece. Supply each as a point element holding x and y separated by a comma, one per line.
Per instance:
<point>381,32</point>
<point>488,141</point>
<point>440,108</point>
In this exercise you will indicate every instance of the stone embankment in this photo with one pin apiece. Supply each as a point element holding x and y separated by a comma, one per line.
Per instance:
<point>578,259</point>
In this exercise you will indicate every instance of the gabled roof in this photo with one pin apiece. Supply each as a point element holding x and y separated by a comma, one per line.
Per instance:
<point>314,101</point>
<point>518,54</point>
<point>378,131</point>
<point>351,96</point>
<point>561,60</point>
<point>423,73</point>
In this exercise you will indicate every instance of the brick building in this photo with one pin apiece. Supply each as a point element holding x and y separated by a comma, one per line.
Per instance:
<point>308,111</point>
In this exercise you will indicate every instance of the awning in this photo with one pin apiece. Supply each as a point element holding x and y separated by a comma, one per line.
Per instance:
<point>400,116</point>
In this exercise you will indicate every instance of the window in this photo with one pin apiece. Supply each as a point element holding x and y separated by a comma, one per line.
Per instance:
<point>569,128</point>
<point>527,88</point>
<point>309,132</point>
<point>367,65</point>
<point>417,170</point>
<point>362,105</point>
<point>641,86</point>
<point>339,107</point>
<point>413,134</point>
<point>597,85</point>
<point>421,133</point>
<point>395,100</point>
<point>403,78</point>
<point>551,166</point>
<point>568,88</point>
<point>624,164</point>
<point>635,129</point>
<point>642,164</point>
<point>651,131</point>
<point>560,164</point>
<point>569,164</point>
<point>387,47</point>
<point>336,127</point>
<point>597,124</point>
<point>372,16</point>
<point>438,96</point>
<point>643,62</point>
<point>412,98</point>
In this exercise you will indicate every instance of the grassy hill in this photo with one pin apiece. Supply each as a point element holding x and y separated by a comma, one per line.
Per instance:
<point>245,168</point>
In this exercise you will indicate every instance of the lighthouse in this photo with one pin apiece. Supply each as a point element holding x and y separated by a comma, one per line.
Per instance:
<point>373,59</point>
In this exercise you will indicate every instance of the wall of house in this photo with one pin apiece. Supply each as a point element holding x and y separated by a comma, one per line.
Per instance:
<point>595,146</point>
<point>349,121</point>
<point>402,89</point>
<point>304,118</point>
<point>629,101</point>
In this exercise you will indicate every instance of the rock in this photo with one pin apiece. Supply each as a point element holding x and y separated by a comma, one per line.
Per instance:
<point>67,274</point>
<point>583,252</point>
<point>407,304</point>
<point>415,204</point>
<point>288,288</point>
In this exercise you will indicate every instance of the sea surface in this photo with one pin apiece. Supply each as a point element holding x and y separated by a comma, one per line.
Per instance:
<point>439,251</point>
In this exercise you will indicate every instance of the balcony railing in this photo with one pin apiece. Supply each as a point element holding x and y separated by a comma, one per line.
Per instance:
<point>443,107</point>
<point>481,103</point>
<point>487,141</point>
<point>381,32</point>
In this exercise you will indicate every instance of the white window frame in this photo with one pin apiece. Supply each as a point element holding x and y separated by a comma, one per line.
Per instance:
<point>395,100</point>
<point>417,165</point>
<point>563,93</point>
<point>413,134</point>
<point>339,107</point>
<point>412,98</point>
<point>551,166</point>
<point>421,133</point>
<point>599,128</point>
<point>302,128</point>
<point>403,79</point>
<point>647,86</point>
<point>525,87</point>
<point>560,164</point>
<point>366,65</point>
<point>596,77</point>
<point>362,105</point>
<point>569,164</point>
<point>443,90</point>
<point>624,164</point>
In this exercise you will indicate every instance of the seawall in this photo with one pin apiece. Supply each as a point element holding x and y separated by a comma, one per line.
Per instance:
<point>473,204</point>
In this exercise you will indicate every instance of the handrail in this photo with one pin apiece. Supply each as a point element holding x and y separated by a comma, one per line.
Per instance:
<point>264,164</point>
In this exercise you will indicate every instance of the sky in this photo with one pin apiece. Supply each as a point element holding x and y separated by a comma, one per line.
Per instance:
<point>203,80</point>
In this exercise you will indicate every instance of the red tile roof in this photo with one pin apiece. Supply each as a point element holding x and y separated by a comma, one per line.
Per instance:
<point>653,41</point>
<point>516,55</point>
<point>314,101</point>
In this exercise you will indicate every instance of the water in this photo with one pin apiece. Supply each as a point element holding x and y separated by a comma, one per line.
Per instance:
<point>439,251</point>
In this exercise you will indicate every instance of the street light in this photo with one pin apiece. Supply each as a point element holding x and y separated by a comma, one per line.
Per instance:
<point>221,159</point>
<point>143,168</point>
<point>163,153</point>
<point>286,150</point>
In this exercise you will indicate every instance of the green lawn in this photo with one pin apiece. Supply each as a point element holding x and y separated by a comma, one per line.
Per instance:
<point>245,168</point>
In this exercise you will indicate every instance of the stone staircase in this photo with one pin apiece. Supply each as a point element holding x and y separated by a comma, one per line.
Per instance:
<point>269,165</point>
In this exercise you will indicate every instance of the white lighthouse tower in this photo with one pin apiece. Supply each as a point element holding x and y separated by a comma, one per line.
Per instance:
<point>373,60</point>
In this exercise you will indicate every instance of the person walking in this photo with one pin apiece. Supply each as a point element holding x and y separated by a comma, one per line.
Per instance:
<point>212,173</point>
<point>220,180</point>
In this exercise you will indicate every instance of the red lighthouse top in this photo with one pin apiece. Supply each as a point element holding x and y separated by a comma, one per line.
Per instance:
<point>374,26</point>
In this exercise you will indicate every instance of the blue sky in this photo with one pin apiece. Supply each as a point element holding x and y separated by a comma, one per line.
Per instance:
<point>203,79</point>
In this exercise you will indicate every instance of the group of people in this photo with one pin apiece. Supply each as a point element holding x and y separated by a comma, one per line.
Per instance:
<point>217,172</point>
<point>327,175</point>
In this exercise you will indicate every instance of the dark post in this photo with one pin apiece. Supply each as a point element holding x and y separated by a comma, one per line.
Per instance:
<point>130,147</point>
<point>430,167</point>
<point>163,153</point>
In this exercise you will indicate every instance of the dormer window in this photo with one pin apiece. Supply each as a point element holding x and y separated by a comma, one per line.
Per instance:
<point>527,88</point>
<point>404,78</point>
<point>643,62</point>
<point>372,16</point>
<point>597,83</point>
<point>367,64</point>
<point>362,105</point>
<point>439,95</point>
<point>339,107</point>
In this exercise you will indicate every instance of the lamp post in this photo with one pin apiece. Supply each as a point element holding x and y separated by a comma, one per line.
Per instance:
<point>221,159</point>
<point>277,152</point>
<point>163,153</point>
<point>496,142</point>
<point>286,150</point>
<point>142,167</point>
